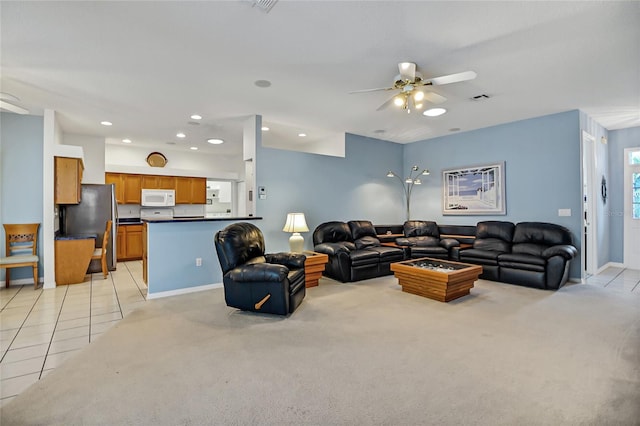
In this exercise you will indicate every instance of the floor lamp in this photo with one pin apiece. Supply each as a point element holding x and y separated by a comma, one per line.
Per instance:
<point>296,223</point>
<point>407,184</point>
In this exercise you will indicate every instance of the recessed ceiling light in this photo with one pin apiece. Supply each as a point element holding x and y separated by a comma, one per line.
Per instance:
<point>106,123</point>
<point>181,135</point>
<point>126,140</point>
<point>265,129</point>
<point>434,112</point>
<point>196,117</point>
<point>262,83</point>
<point>194,148</point>
<point>302,135</point>
<point>215,141</point>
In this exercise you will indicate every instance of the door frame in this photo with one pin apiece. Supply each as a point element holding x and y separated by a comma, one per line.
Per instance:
<point>589,235</point>
<point>627,209</point>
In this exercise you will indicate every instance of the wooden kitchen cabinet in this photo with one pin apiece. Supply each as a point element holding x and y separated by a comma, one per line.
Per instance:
<point>68,180</point>
<point>129,242</point>
<point>158,182</point>
<point>117,181</point>
<point>191,190</point>
<point>132,187</point>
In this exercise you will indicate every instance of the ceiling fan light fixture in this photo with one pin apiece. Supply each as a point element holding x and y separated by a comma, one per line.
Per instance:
<point>418,96</point>
<point>398,101</point>
<point>434,112</point>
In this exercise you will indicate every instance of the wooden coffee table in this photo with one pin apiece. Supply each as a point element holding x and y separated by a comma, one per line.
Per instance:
<point>436,279</point>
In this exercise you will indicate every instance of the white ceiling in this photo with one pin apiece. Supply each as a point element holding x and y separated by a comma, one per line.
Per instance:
<point>147,66</point>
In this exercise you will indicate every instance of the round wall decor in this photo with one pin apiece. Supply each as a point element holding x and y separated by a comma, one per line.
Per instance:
<point>156,159</point>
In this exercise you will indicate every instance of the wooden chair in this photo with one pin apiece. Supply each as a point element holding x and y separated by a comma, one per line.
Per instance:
<point>101,252</point>
<point>21,249</point>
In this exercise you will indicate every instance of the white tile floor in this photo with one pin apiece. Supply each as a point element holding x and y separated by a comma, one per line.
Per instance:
<point>39,329</point>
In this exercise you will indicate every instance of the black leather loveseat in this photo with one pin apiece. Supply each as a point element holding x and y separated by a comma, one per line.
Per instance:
<point>422,239</point>
<point>354,251</point>
<point>533,254</point>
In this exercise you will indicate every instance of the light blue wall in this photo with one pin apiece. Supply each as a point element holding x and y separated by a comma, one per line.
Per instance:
<point>542,171</point>
<point>328,188</point>
<point>618,141</point>
<point>21,146</point>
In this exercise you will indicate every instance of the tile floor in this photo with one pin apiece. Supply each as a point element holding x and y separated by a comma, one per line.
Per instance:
<point>40,329</point>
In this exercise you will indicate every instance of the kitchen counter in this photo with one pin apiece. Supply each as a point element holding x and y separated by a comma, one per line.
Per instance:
<point>179,255</point>
<point>200,219</point>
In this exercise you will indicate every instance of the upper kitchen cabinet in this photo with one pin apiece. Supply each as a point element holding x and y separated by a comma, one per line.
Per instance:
<point>158,182</point>
<point>132,188</point>
<point>117,180</point>
<point>190,190</point>
<point>68,180</point>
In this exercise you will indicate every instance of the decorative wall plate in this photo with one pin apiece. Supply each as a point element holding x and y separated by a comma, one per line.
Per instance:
<point>156,159</point>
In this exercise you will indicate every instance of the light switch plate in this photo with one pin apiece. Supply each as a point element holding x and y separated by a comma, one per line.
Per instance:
<point>564,212</point>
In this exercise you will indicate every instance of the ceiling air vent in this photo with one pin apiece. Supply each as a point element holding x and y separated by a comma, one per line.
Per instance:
<point>480,97</point>
<point>264,5</point>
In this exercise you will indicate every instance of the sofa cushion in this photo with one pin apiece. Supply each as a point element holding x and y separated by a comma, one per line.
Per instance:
<point>364,257</point>
<point>387,253</point>
<point>529,248</point>
<point>494,235</point>
<point>522,261</point>
<point>419,228</point>
<point>365,242</point>
<point>361,228</point>
<point>331,232</point>
<point>548,234</point>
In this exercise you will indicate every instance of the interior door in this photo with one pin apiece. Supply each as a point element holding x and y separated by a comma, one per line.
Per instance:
<point>631,208</point>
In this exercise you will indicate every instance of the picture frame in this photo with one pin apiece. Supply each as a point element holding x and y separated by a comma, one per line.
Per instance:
<point>474,190</point>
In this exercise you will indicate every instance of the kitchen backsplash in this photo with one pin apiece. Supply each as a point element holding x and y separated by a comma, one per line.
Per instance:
<point>126,211</point>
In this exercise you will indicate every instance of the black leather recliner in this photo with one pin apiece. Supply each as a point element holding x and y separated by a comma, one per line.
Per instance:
<point>422,239</point>
<point>493,238</point>
<point>354,250</point>
<point>253,280</point>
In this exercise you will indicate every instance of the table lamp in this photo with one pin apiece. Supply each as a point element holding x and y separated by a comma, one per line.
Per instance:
<point>296,223</point>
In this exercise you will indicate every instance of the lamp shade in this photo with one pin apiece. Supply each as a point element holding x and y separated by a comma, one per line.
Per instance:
<point>295,223</point>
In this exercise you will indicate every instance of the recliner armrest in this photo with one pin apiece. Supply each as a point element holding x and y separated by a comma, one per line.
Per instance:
<point>449,243</point>
<point>290,260</point>
<point>265,272</point>
<point>404,241</point>
<point>332,249</point>
<point>564,250</point>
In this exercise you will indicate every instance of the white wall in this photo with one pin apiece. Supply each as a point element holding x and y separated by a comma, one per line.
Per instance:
<point>132,159</point>
<point>93,148</point>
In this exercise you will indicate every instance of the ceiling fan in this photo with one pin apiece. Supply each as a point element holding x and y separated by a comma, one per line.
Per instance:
<point>409,82</point>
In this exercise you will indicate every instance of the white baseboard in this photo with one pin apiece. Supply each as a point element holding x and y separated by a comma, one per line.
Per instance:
<point>610,264</point>
<point>182,291</point>
<point>22,281</point>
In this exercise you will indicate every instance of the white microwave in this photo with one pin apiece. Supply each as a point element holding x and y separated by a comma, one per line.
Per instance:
<point>158,197</point>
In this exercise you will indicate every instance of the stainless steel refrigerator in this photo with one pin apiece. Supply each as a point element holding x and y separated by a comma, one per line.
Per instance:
<point>97,206</point>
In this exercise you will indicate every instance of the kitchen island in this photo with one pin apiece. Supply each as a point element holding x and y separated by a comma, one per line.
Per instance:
<point>179,255</point>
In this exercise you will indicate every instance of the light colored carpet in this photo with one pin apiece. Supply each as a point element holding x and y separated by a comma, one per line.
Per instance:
<point>357,354</point>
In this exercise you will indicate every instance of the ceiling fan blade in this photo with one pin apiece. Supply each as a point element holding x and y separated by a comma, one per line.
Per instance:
<point>434,98</point>
<point>372,90</point>
<point>451,78</point>
<point>407,71</point>
<point>386,103</point>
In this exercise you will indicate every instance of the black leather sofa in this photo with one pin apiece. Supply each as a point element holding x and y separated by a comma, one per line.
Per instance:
<point>533,254</point>
<point>422,239</point>
<point>355,253</point>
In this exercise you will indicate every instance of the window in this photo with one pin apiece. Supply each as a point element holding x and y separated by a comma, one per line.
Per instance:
<point>635,187</point>
<point>634,157</point>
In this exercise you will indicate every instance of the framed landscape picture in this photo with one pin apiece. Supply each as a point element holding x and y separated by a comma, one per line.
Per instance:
<point>474,190</point>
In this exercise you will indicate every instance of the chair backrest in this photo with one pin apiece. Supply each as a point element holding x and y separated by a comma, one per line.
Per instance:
<point>105,237</point>
<point>238,243</point>
<point>21,238</point>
